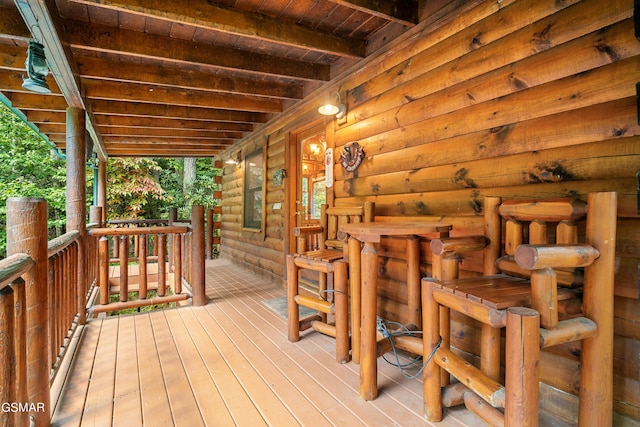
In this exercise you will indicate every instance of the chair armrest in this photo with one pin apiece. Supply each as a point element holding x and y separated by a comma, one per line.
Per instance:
<point>535,257</point>
<point>457,245</point>
<point>307,230</point>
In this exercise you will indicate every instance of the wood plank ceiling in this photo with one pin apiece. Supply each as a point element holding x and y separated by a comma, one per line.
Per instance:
<point>171,78</point>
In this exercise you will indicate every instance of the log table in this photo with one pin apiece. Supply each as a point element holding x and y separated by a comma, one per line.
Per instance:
<point>368,234</point>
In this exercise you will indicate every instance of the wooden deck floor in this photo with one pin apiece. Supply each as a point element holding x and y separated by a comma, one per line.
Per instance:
<point>228,363</point>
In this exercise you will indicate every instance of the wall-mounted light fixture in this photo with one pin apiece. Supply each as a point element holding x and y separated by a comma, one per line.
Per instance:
<point>37,69</point>
<point>232,161</point>
<point>333,106</point>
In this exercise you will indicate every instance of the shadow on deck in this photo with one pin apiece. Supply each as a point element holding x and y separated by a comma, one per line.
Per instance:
<point>227,363</point>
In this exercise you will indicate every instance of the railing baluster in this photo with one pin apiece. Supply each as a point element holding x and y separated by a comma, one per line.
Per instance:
<point>103,268</point>
<point>124,268</point>
<point>162,264</point>
<point>7,352</point>
<point>20,347</point>
<point>142,260</point>
<point>177,267</point>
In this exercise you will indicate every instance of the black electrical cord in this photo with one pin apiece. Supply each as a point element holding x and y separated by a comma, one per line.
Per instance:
<point>402,330</point>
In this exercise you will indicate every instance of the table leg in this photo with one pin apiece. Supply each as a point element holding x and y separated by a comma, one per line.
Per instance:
<point>413,281</point>
<point>368,350</point>
<point>355,280</point>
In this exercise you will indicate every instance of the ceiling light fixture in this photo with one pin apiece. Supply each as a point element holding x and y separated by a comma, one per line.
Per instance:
<point>37,69</point>
<point>333,106</point>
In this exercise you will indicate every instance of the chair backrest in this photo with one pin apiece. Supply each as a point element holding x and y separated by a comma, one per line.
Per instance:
<point>539,222</point>
<point>335,216</point>
<point>325,235</point>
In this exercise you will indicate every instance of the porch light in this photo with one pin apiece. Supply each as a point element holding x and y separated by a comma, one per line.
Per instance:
<point>37,69</point>
<point>236,161</point>
<point>333,106</point>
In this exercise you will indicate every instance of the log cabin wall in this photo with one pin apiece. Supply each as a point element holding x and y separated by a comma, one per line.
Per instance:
<point>516,99</point>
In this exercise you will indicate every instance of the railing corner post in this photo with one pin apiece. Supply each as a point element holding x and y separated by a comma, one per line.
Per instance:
<point>198,256</point>
<point>27,233</point>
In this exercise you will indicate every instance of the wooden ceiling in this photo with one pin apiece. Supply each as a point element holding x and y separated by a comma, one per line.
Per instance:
<point>170,78</point>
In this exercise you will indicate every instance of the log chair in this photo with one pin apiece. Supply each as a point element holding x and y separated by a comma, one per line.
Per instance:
<point>525,300</point>
<point>330,261</point>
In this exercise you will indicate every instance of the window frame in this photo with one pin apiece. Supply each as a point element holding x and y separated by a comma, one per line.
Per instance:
<point>249,194</point>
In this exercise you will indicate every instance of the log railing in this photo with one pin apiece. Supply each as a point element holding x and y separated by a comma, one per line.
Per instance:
<point>39,302</point>
<point>177,249</point>
<point>13,340</point>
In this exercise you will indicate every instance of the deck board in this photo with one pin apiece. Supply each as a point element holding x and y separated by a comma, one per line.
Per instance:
<point>70,405</point>
<point>182,402</point>
<point>228,363</point>
<point>98,408</point>
<point>127,406</point>
<point>206,392</point>
<point>153,394</point>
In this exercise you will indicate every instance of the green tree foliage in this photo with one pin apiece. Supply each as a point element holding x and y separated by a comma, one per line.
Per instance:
<point>140,188</point>
<point>136,187</point>
<point>132,189</point>
<point>199,193</point>
<point>29,168</point>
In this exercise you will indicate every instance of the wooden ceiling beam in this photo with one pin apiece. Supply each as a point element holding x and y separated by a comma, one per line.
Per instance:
<point>135,43</point>
<point>402,11</point>
<point>99,68</point>
<point>162,123</point>
<point>11,81</point>
<point>121,108</point>
<point>169,133</point>
<point>12,57</point>
<point>176,143</point>
<point>153,143</point>
<point>32,101</point>
<point>135,132</point>
<point>45,26</point>
<point>108,90</point>
<point>12,26</point>
<point>168,152</point>
<point>165,145</point>
<point>204,14</point>
<point>39,117</point>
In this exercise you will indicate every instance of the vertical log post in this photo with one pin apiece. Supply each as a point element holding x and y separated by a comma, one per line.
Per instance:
<point>341,303</point>
<point>431,374</point>
<point>522,367</point>
<point>27,233</point>
<point>368,361</point>
<point>355,283</point>
<point>95,215</point>
<point>596,376</point>
<point>414,315</point>
<point>210,228</point>
<point>198,260</point>
<point>293,311</point>
<point>76,199</point>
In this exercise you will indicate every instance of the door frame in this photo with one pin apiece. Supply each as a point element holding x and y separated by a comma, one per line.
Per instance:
<point>294,172</point>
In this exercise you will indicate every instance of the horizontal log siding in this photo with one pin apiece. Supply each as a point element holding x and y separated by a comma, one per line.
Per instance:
<point>519,98</point>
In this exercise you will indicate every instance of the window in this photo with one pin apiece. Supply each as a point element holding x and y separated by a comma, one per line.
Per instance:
<point>253,191</point>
